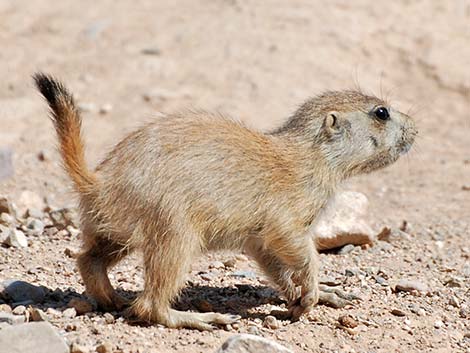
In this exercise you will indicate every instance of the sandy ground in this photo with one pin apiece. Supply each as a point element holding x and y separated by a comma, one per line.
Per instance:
<point>126,61</point>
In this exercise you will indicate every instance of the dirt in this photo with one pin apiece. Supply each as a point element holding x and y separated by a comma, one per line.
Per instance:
<point>256,61</point>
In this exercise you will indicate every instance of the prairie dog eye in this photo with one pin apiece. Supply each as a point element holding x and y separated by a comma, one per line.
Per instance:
<point>382,113</point>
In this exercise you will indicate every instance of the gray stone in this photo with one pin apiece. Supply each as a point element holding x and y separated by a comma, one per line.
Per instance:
<point>343,221</point>
<point>245,343</point>
<point>407,285</point>
<point>11,319</point>
<point>35,226</point>
<point>16,239</point>
<point>6,163</point>
<point>34,337</point>
<point>20,291</point>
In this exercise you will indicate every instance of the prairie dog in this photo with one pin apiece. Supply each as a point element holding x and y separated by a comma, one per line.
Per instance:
<point>186,184</point>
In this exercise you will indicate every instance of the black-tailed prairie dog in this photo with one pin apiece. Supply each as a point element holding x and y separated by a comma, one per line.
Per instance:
<point>186,184</point>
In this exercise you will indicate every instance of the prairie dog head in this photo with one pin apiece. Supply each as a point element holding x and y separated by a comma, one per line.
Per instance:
<point>355,133</point>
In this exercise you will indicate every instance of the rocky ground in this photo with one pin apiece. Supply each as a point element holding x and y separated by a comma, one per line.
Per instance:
<point>126,61</point>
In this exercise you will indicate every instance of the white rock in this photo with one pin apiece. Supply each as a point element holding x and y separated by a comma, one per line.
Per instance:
<point>343,221</point>
<point>34,337</point>
<point>29,200</point>
<point>16,239</point>
<point>245,343</point>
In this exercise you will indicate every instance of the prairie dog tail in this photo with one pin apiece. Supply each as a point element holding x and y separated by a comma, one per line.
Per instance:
<point>67,123</point>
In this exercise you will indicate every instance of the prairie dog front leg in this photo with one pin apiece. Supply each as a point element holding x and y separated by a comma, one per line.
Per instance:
<point>300,257</point>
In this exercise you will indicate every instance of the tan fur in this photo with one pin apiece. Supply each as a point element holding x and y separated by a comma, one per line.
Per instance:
<point>190,183</point>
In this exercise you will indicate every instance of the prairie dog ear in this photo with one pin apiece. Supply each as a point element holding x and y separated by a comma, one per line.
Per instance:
<point>331,123</point>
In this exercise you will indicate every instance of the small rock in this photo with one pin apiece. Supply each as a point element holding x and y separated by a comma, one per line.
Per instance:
<point>253,330</point>
<point>243,274</point>
<point>202,305</point>
<point>271,322</point>
<point>7,219</point>
<point>104,347</point>
<point>74,232</point>
<point>398,312</point>
<point>42,156</point>
<point>20,291</point>
<point>346,249</point>
<point>464,312</point>
<point>34,213</point>
<point>245,343</point>
<point>438,324</point>
<point>71,253</point>
<point>35,227</point>
<point>69,313</point>
<point>19,310</point>
<point>108,318</point>
<point>407,285</point>
<point>6,163</point>
<point>347,321</point>
<point>6,206</point>
<point>230,263</point>
<point>343,221</point>
<point>78,348</point>
<point>454,282</point>
<point>106,108</point>
<point>11,319</point>
<point>80,305</point>
<point>466,187</point>
<point>216,264</point>
<point>151,51</point>
<point>36,314</point>
<point>62,218</point>
<point>5,308</point>
<point>34,337</point>
<point>454,301</point>
<point>87,107</point>
<point>16,239</point>
<point>29,200</point>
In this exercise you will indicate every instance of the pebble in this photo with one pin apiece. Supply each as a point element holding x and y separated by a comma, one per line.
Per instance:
<point>104,347</point>
<point>36,314</point>
<point>29,200</point>
<point>106,108</point>
<point>216,264</point>
<point>6,206</point>
<point>244,343</point>
<point>253,330</point>
<point>71,253</point>
<point>6,163</point>
<point>464,312</point>
<point>346,249</point>
<point>243,274</point>
<point>230,263</point>
<point>407,285</point>
<point>348,321</point>
<point>16,239</point>
<point>5,308</point>
<point>11,319</point>
<point>271,322</point>
<point>34,213</point>
<point>35,227</point>
<point>69,313</point>
<point>19,310</point>
<point>151,51</point>
<point>454,282</point>
<point>438,324</point>
<point>398,312</point>
<point>7,219</point>
<point>37,337</point>
<point>78,348</point>
<point>20,291</point>
<point>454,301</point>
<point>80,305</point>
<point>109,318</point>
<point>61,218</point>
<point>87,107</point>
